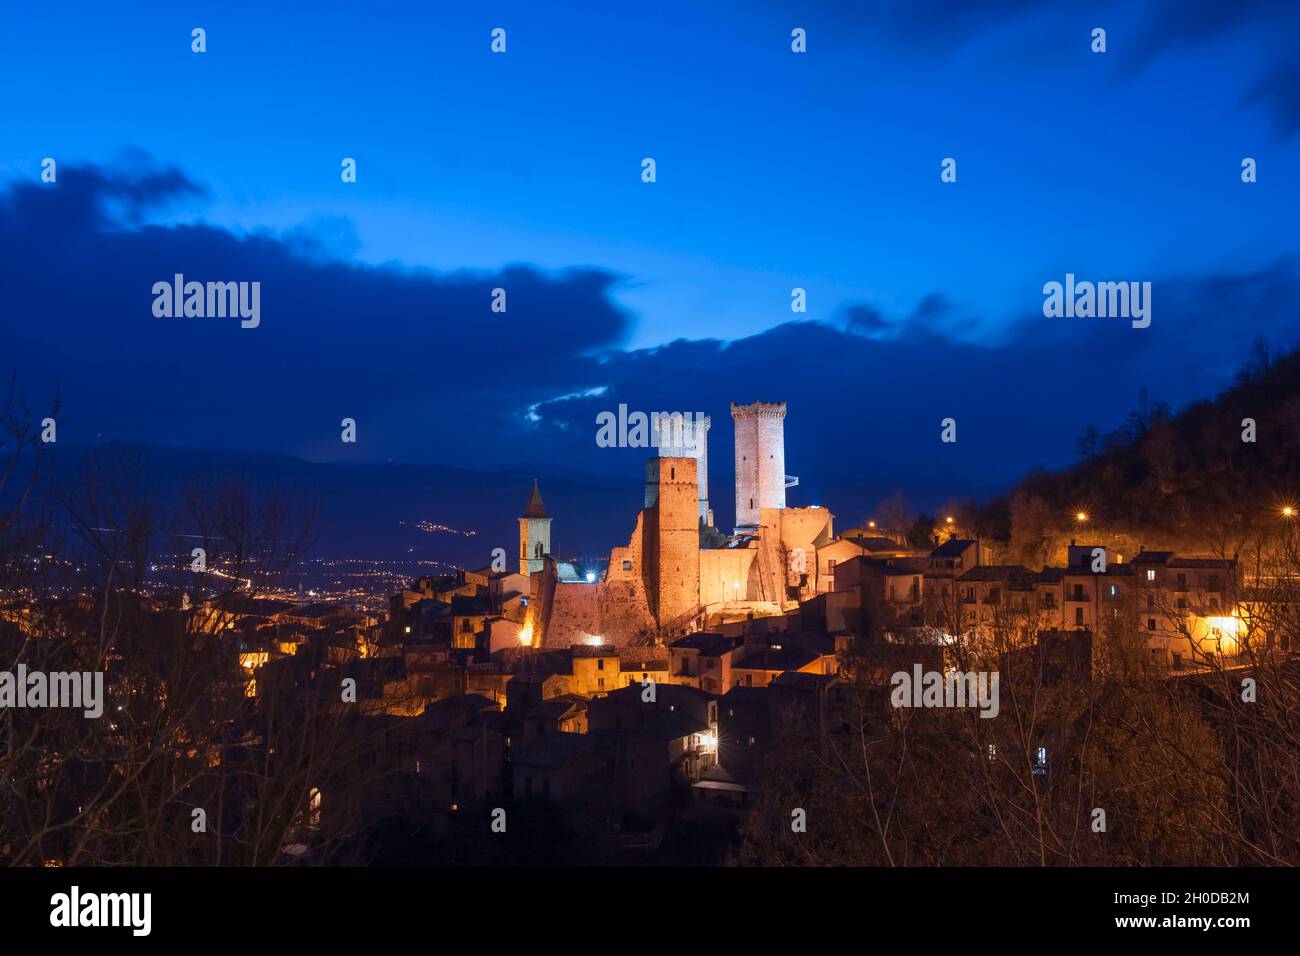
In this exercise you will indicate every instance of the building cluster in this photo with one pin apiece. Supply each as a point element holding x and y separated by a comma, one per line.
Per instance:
<point>646,687</point>
<point>677,575</point>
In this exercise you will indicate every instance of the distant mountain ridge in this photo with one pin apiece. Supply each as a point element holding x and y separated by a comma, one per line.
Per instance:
<point>373,511</point>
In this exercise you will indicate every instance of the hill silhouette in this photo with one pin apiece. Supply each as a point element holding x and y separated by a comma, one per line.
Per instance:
<point>1219,471</point>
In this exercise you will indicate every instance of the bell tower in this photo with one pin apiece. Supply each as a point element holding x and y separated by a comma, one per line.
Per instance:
<point>534,533</point>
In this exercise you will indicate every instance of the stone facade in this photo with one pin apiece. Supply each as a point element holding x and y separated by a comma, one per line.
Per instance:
<point>662,584</point>
<point>760,460</point>
<point>534,534</point>
<point>687,436</point>
<point>671,552</point>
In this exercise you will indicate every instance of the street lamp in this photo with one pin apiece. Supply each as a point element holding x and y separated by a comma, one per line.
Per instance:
<point>1288,512</point>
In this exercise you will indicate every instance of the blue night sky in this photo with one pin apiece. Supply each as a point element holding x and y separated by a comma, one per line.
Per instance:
<point>775,171</point>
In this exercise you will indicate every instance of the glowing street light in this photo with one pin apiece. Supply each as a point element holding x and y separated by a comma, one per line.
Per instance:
<point>1288,512</point>
<point>948,519</point>
<point>1081,517</point>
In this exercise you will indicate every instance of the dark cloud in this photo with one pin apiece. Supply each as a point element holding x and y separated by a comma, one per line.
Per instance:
<point>1140,33</point>
<point>865,410</point>
<point>431,374</point>
<point>1266,27</point>
<point>416,357</point>
<point>1279,92</point>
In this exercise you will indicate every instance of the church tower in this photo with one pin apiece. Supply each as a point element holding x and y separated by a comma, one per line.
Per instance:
<point>534,533</point>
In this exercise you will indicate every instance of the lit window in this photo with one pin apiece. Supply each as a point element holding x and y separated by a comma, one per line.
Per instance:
<point>1151,574</point>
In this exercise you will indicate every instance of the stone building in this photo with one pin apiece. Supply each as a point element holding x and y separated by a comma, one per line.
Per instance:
<point>687,436</point>
<point>534,533</point>
<point>760,461</point>
<point>663,583</point>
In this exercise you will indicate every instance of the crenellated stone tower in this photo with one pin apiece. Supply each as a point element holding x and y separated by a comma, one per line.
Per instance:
<point>671,544</point>
<point>534,533</point>
<point>687,436</point>
<point>760,461</point>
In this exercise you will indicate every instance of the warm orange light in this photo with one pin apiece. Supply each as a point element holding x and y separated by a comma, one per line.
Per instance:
<point>949,520</point>
<point>1081,517</point>
<point>526,635</point>
<point>871,524</point>
<point>1288,512</point>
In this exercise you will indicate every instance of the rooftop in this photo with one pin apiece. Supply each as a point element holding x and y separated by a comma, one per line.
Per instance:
<point>535,508</point>
<point>952,549</point>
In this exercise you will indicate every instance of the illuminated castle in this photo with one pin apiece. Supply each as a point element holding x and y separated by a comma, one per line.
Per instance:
<point>662,583</point>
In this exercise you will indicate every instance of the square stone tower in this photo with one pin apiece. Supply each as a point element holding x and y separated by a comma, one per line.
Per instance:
<point>671,545</point>
<point>679,435</point>
<point>760,461</point>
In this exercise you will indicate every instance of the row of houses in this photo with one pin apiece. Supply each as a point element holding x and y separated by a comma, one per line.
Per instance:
<point>1186,608</point>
